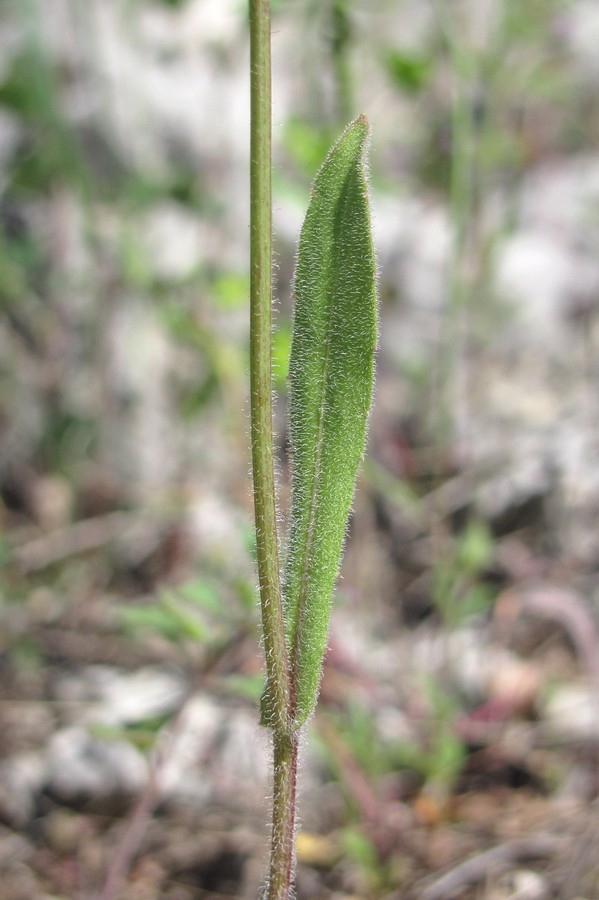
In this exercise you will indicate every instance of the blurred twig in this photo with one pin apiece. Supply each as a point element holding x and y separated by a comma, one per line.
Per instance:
<point>563,606</point>
<point>88,534</point>
<point>490,863</point>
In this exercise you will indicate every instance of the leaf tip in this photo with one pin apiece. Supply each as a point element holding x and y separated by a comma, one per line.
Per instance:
<point>361,124</point>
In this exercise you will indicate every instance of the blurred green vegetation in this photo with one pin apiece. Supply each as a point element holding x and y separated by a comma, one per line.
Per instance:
<point>123,368</point>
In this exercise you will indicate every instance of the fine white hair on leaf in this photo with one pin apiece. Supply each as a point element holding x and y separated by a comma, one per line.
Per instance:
<point>331,373</point>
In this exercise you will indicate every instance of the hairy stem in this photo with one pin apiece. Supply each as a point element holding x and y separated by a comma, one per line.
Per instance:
<point>282,853</point>
<point>285,745</point>
<point>260,363</point>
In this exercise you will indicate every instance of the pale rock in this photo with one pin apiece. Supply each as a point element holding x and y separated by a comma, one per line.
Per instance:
<point>517,682</point>
<point>116,698</point>
<point>571,713</point>
<point>10,135</point>
<point>175,240</point>
<point>79,764</point>
<point>21,779</point>
<point>523,884</point>
<point>581,28</point>
<point>183,776</point>
<point>533,274</point>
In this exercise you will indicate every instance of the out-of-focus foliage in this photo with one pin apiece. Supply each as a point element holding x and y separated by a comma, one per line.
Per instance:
<point>124,498</point>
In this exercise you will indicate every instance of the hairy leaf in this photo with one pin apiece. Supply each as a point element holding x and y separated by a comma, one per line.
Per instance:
<point>331,372</point>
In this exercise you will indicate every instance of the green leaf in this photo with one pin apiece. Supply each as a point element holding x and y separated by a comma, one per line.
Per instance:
<point>150,617</point>
<point>167,617</point>
<point>230,290</point>
<point>281,347</point>
<point>305,144</point>
<point>247,686</point>
<point>202,594</point>
<point>331,377</point>
<point>408,71</point>
<point>359,848</point>
<point>475,548</point>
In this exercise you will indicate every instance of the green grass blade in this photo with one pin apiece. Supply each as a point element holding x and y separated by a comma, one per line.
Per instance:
<point>331,376</point>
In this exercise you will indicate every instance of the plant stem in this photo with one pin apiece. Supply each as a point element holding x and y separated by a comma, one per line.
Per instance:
<point>278,693</point>
<point>282,854</point>
<point>260,364</point>
<point>341,35</point>
<point>460,207</point>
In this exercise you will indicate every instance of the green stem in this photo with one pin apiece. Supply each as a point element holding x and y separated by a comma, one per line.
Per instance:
<point>341,34</point>
<point>278,692</point>
<point>460,204</point>
<point>261,365</point>
<point>282,853</point>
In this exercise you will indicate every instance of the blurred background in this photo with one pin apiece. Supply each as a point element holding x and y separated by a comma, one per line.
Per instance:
<point>459,710</point>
